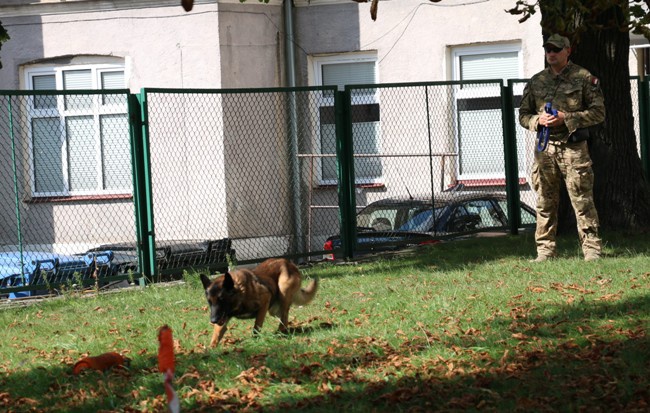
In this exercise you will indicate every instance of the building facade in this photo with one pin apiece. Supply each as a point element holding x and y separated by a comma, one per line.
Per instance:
<point>71,45</point>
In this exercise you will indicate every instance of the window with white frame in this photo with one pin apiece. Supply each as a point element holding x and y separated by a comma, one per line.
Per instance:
<point>342,70</point>
<point>478,109</point>
<point>79,143</point>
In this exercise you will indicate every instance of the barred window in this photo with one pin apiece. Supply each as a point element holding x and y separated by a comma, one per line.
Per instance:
<point>479,127</point>
<point>342,70</point>
<point>79,143</point>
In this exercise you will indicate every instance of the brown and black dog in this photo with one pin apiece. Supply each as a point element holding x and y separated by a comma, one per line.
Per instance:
<point>271,287</point>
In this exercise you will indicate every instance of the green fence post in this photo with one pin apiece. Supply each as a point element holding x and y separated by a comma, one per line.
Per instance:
<point>644,124</point>
<point>345,164</point>
<point>510,152</point>
<point>142,184</point>
<point>16,193</point>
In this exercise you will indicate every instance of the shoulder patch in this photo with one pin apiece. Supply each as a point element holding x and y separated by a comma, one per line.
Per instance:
<point>594,80</point>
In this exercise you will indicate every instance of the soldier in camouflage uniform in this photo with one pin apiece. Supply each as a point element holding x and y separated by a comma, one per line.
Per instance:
<point>577,96</point>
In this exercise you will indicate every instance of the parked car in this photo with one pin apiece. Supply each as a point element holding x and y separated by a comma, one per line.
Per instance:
<point>394,223</point>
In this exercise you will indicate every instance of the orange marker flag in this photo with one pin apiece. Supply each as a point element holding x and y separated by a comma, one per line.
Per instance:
<point>166,349</point>
<point>166,365</point>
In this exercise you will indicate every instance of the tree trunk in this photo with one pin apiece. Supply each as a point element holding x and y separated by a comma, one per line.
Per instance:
<point>621,193</point>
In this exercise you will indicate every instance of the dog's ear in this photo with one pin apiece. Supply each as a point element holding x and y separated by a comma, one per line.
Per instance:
<point>228,283</point>
<point>205,281</point>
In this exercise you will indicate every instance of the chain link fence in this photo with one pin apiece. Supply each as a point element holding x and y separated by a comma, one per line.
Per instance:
<point>237,165</point>
<point>100,186</point>
<point>429,158</point>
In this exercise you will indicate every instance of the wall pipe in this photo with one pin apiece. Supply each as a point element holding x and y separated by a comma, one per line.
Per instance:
<point>298,244</point>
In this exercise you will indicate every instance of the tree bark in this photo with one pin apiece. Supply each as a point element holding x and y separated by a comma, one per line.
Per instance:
<point>621,192</point>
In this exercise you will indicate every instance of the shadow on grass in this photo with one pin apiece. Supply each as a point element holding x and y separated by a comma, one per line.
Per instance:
<point>604,377</point>
<point>305,330</point>
<point>56,389</point>
<point>574,369</point>
<point>552,381</point>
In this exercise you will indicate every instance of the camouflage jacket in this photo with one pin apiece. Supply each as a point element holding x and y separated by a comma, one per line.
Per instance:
<point>574,91</point>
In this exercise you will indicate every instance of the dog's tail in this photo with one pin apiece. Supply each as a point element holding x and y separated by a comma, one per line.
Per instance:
<point>306,294</point>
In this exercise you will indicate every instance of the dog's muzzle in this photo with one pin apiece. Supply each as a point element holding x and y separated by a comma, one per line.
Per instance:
<point>220,320</point>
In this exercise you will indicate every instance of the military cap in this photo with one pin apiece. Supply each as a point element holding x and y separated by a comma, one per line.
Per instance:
<point>558,40</point>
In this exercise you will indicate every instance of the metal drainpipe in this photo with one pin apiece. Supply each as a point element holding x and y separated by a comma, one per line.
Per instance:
<point>288,43</point>
<point>297,246</point>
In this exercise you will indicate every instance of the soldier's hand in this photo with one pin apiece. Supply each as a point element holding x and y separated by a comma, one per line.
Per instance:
<point>546,120</point>
<point>556,120</point>
<point>551,121</point>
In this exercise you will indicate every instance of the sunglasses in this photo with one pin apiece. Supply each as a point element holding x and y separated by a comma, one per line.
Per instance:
<point>552,49</point>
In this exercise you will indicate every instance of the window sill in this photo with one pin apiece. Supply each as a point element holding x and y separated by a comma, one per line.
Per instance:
<point>364,186</point>
<point>487,182</point>
<point>77,198</point>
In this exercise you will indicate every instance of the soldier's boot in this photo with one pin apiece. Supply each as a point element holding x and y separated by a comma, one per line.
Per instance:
<point>543,256</point>
<point>591,247</point>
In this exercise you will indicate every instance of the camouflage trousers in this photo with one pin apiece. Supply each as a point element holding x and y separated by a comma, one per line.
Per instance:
<point>571,163</point>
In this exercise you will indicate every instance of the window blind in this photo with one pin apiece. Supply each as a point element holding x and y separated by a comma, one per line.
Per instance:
<point>77,79</point>
<point>112,80</point>
<point>366,131</point>
<point>479,119</point>
<point>44,82</point>
<point>341,74</point>
<point>46,138</point>
<point>82,164</point>
<point>116,152</point>
<point>489,66</point>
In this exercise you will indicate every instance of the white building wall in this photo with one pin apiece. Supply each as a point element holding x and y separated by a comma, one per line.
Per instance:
<point>162,46</point>
<point>413,37</point>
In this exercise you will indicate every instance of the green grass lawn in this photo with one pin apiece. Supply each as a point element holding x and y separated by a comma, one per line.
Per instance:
<point>461,326</point>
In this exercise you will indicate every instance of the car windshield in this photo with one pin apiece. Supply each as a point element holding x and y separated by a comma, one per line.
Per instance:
<point>397,217</point>
<point>421,220</point>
